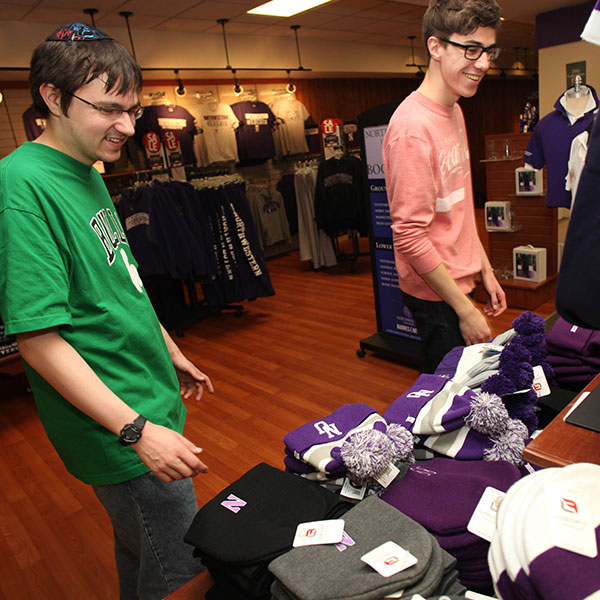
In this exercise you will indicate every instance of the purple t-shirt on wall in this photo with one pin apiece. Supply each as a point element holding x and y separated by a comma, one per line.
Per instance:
<point>162,117</point>
<point>255,133</point>
<point>550,144</point>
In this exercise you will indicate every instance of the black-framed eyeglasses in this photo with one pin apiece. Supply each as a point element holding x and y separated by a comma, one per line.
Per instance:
<point>474,52</point>
<point>112,112</point>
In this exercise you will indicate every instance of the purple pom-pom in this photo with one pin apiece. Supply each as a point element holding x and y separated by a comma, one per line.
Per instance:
<point>498,384</point>
<point>402,440</point>
<point>529,341</point>
<point>509,445</point>
<point>529,323</point>
<point>366,454</point>
<point>515,363</point>
<point>488,415</point>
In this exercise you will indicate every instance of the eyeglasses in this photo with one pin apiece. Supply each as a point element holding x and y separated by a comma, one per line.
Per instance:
<point>475,52</point>
<point>112,112</point>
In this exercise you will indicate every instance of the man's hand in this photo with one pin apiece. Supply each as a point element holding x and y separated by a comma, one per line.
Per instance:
<point>168,454</point>
<point>474,327</point>
<point>191,379</point>
<point>496,297</point>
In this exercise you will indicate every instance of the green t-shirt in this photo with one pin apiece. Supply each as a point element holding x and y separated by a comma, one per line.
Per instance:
<point>65,262</point>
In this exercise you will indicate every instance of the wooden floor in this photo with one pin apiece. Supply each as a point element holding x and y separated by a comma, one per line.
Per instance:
<point>287,360</point>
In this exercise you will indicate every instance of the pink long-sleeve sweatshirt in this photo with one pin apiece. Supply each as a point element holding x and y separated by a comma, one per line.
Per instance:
<point>428,180</point>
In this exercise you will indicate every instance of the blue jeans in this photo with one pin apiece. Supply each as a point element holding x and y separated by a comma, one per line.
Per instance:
<point>438,328</point>
<point>149,520</point>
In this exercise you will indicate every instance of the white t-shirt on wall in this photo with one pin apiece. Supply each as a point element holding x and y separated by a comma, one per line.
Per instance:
<point>289,136</point>
<point>217,142</point>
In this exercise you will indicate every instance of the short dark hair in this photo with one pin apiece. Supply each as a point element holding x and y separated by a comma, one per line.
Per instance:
<point>445,17</point>
<point>68,66</point>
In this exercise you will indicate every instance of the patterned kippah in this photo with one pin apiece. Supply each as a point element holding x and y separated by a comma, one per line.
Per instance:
<point>77,32</point>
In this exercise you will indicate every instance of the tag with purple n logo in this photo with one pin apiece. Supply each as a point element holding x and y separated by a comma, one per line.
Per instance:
<point>346,541</point>
<point>233,503</point>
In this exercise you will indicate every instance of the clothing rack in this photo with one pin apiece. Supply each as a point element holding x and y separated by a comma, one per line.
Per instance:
<point>343,256</point>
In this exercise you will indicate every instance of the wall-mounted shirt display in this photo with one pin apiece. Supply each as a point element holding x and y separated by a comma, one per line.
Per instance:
<point>255,133</point>
<point>289,135</point>
<point>550,143</point>
<point>167,117</point>
<point>217,141</point>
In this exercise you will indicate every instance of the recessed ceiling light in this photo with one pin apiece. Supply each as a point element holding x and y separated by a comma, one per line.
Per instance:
<point>285,8</point>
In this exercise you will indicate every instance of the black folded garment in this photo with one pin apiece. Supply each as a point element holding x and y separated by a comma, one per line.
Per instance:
<point>254,520</point>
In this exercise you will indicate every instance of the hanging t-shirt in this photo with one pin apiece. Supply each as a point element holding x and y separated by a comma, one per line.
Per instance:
<point>218,124</point>
<point>161,118</point>
<point>550,144</point>
<point>255,133</point>
<point>34,123</point>
<point>289,135</point>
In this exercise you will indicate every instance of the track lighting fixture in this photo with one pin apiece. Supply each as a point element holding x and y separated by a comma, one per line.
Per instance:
<point>180,89</point>
<point>290,88</point>
<point>238,90</point>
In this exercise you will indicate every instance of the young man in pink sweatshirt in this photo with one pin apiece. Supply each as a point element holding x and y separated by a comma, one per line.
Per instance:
<point>428,178</point>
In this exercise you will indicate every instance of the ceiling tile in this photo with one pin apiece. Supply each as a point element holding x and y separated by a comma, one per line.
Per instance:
<point>135,22</point>
<point>215,10</point>
<point>351,24</point>
<point>77,6</point>
<point>12,12</point>
<point>189,25</point>
<point>332,35</point>
<point>389,10</point>
<point>159,8</point>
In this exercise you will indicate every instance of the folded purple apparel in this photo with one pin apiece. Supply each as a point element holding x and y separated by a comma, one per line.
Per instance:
<point>557,360</point>
<point>442,493</point>
<point>317,442</point>
<point>581,380</point>
<point>579,340</point>
<point>562,356</point>
<point>581,370</point>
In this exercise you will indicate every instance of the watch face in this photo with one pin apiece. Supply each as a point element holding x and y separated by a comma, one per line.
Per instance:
<point>130,434</point>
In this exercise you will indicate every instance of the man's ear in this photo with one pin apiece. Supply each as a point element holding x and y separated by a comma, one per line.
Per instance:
<point>51,96</point>
<point>434,45</point>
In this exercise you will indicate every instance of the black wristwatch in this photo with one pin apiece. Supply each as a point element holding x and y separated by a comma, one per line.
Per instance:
<point>132,432</point>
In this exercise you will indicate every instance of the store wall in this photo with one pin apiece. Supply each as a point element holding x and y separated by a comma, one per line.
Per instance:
<point>553,70</point>
<point>494,109</point>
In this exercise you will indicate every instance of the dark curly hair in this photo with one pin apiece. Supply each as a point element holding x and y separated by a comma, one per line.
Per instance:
<point>445,17</point>
<point>70,66</point>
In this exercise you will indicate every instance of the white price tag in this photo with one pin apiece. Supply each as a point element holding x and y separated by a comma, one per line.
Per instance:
<point>389,559</point>
<point>319,532</point>
<point>353,491</point>
<point>483,519</point>
<point>390,473</point>
<point>540,384</point>
<point>570,519</point>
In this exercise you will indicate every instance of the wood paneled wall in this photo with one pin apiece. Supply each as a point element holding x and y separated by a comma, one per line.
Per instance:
<point>494,109</point>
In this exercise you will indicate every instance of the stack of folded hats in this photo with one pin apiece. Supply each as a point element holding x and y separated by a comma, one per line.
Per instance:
<point>442,494</point>
<point>337,571</point>
<point>574,353</point>
<point>452,420</point>
<point>505,367</point>
<point>313,449</point>
<point>527,557</point>
<point>251,522</point>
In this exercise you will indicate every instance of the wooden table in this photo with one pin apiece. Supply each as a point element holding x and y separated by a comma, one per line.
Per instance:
<point>562,444</point>
<point>194,589</point>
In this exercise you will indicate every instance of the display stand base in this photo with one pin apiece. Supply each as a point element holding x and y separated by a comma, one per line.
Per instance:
<point>399,349</point>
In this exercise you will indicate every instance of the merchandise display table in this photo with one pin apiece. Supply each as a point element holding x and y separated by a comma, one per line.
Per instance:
<point>194,589</point>
<point>562,444</point>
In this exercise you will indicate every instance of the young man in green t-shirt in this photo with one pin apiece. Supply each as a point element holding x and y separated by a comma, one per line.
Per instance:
<point>106,376</point>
